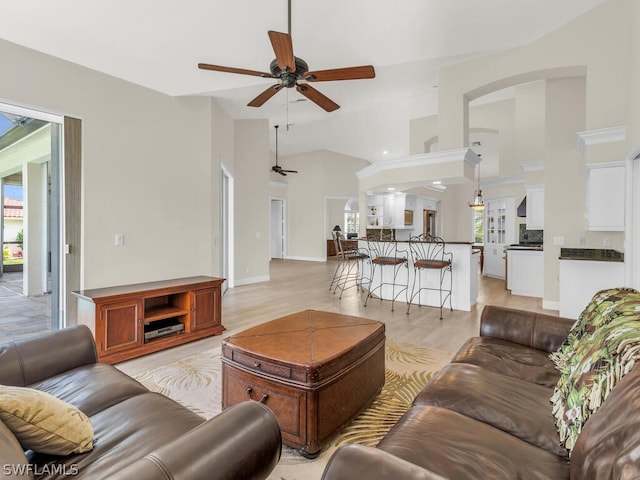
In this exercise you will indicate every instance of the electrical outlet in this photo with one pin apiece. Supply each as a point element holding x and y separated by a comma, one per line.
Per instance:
<point>558,240</point>
<point>119,239</point>
<point>582,241</point>
<point>606,242</point>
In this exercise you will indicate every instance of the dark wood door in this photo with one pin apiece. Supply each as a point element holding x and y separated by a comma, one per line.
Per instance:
<point>205,308</point>
<point>119,327</point>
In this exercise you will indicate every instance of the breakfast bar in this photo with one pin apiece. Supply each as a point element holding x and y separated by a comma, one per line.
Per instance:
<point>464,271</point>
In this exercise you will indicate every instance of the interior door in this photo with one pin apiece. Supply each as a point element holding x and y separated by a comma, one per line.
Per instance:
<point>277,228</point>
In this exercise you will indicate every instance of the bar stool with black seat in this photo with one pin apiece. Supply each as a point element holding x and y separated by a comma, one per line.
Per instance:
<point>353,261</point>
<point>384,252</point>
<point>428,254</point>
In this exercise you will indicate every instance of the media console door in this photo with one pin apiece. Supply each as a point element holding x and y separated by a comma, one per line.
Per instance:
<point>206,308</point>
<point>119,316</point>
<point>119,326</point>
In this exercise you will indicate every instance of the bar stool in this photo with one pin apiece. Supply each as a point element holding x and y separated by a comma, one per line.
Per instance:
<point>429,253</point>
<point>334,235</point>
<point>352,271</point>
<point>384,252</point>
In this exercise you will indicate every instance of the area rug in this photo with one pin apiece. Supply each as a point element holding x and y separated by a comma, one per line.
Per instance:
<point>195,382</point>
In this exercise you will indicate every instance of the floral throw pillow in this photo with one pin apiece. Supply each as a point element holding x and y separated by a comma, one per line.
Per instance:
<point>600,360</point>
<point>600,310</point>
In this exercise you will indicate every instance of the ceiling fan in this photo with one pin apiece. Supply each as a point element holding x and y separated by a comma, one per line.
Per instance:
<point>292,71</point>
<point>277,168</point>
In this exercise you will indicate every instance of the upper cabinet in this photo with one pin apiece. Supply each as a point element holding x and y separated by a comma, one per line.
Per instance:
<point>535,208</point>
<point>388,210</point>
<point>605,196</point>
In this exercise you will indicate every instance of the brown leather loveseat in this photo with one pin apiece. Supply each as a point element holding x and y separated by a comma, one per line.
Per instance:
<point>137,434</point>
<point>488,414</point>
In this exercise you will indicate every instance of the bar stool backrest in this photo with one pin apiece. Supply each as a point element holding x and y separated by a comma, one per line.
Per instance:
<point>428,251</point>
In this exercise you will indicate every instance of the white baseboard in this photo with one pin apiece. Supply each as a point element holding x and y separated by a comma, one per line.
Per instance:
<point>306,259</point>
<point>247,281</point>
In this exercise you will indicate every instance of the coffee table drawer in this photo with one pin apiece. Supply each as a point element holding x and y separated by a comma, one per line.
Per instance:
<point>287,404</point>
<point>258,365</point>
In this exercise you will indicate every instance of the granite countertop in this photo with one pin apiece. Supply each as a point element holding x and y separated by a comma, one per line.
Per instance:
<point>593,254</point>
<point>532,248</point>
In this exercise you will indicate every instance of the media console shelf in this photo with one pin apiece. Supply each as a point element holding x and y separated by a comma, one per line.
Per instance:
<point>132,320</point>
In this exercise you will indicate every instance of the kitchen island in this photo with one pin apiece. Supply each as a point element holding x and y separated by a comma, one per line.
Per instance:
<point>585,271</point>
<point>464,270</point>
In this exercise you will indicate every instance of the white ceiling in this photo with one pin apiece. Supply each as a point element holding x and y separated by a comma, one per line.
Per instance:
<point>158,44</point>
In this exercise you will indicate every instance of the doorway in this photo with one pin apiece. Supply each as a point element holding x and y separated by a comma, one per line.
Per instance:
<point>32,291</point>
<point>226,228</point>
<point>278,237</point>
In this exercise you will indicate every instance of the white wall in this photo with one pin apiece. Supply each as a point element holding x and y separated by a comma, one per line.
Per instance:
<point>321,174</point>
<point>147,167</point>
<point>252,205</point>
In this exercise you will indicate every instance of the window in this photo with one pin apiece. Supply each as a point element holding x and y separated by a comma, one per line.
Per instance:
<point>478,226</point>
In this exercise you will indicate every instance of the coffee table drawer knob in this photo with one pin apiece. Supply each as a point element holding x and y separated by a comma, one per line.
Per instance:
<point>262,400</point>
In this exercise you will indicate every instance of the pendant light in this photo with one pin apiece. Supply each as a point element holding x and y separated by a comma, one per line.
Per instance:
<point>478,202</point>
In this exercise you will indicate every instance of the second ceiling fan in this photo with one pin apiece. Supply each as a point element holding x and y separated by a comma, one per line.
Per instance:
<point>292,71</point>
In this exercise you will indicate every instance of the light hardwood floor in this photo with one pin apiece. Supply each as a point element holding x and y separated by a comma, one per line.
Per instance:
<point>298,285</point>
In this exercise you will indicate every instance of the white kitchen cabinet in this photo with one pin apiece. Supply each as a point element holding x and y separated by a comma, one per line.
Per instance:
<point>581,279</point>
<point>535,208</point>
<point>499,215</point>
<point>525,272</point>
<point>605,197</point>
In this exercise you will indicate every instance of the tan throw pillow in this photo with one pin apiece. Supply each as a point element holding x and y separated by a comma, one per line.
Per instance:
<point>44,423</point>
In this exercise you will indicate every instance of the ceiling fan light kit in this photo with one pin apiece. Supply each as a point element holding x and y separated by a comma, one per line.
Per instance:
<point>292,72</point>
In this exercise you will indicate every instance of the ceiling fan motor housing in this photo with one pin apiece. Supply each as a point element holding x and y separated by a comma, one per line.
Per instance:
<point>289,79</point>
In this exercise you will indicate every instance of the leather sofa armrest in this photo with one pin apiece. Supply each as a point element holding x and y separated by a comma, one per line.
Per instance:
<point>359,461</point>
<point>531,329</point>
<point>31,360</point>
<point>243,441</point>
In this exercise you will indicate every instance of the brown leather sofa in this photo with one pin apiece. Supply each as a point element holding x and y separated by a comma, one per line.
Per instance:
<point>137,434</point>
<point>488,415</point>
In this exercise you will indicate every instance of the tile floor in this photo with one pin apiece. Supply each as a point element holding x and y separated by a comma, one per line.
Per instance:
<point>21,316</point>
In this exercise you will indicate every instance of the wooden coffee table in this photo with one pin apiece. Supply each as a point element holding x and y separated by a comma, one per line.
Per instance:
<point>315,370</point>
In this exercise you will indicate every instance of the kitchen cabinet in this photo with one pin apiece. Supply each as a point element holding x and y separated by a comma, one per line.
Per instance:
<point>388,210</point>
<point>525,272</point>
<point>499,217</point>
<point>535,208</point>
<point>605,196</point>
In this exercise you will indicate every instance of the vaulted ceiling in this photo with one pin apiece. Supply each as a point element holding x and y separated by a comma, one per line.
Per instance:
<point>158,44</point>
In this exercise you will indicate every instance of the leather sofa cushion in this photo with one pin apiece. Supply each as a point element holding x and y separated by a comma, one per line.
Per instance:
<point>456,446</point>
<point>102,387</point>
<point>513,405</point>
<point>510,359</point>
<point>126,432</point>
<point>12,458</point>
<point>609,444</point>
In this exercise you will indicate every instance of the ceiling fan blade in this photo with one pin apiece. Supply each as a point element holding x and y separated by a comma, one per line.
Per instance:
<point>349,73</point>
<point>264,96</point>
<point>290,171</point>
<point>218,68</point>
<point>283,48</point>
<point>318,98</point>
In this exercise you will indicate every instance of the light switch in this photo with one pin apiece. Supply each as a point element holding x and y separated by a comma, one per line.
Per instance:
<point>119,239</point>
